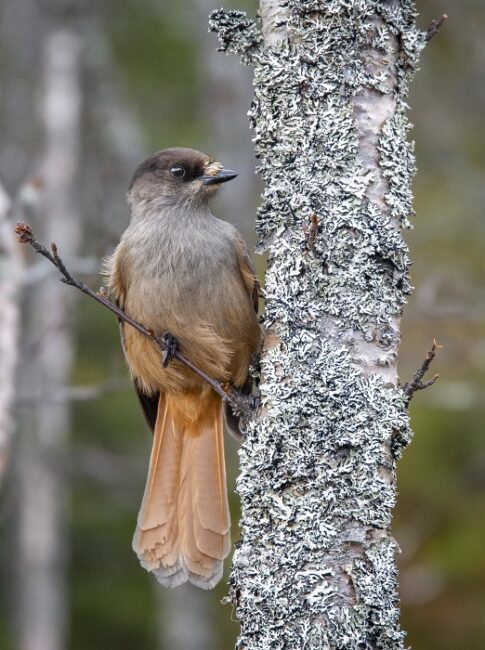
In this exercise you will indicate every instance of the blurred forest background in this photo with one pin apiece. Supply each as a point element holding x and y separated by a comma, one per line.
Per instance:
<point>87,90</point>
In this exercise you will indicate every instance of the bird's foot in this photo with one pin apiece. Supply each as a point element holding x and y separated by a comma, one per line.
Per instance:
<point>171,345</point>
<point>243,404</point>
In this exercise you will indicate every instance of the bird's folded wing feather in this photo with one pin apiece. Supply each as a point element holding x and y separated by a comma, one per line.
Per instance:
<point>247,269</point>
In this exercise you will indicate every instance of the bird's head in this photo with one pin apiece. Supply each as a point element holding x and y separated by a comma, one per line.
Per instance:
<point>177,176</point>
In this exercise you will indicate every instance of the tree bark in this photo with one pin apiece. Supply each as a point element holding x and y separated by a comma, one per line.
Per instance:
<point>316,567</point>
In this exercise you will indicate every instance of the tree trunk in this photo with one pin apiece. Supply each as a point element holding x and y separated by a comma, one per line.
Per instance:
<point>10,267</point>
<point>316,567</point>
<point>42,488</point>
<point>184,620</point>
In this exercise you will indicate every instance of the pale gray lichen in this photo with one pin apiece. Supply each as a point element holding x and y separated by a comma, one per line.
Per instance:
<point>315,567</point>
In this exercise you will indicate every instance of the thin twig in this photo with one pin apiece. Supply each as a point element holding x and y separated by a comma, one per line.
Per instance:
<point>417,382</point>
<point>435,27</point>
<point>243,405</point>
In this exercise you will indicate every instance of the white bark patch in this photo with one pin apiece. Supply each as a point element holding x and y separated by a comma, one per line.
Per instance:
<point>274,14</point>
<point>315,567</point>
<point>10,271</point>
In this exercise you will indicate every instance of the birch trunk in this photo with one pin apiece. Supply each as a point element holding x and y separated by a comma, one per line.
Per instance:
<point>47,344</point>
<point>10,268</point>
<point>184,619</point>
<point>316,564</point>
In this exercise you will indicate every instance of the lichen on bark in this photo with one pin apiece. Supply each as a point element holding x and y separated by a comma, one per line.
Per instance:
<point>315,567</point>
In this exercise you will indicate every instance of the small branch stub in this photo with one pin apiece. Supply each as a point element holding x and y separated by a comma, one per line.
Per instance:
<point>243,405</point>
<point>417,382</point>
<point>311,231</point>
<point>435,27</point>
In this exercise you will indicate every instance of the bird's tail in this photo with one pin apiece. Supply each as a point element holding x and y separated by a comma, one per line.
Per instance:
<point>183,528</point>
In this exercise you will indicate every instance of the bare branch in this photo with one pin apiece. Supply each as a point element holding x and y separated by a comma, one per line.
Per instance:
<point>417,382</point>
<point>435,27</point>
<point>242,404</point>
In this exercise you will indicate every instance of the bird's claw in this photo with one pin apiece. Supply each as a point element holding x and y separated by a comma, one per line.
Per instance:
<point>244,404</point>
<point>171,346</point>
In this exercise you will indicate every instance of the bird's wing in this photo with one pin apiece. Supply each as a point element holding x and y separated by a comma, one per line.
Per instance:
<point>247,269</point>
<point>149,403</point>
<point>250,279</point>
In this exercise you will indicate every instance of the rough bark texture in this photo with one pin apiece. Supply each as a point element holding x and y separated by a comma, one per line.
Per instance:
<point>315,567</point>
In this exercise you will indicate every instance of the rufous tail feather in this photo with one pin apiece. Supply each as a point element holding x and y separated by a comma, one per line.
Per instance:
<point>183,528</point>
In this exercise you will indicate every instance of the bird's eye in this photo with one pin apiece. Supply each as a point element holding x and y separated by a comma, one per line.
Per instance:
<point>178,171</point>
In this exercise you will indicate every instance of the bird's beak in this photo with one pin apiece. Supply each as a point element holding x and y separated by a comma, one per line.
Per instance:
<point>222,176</point>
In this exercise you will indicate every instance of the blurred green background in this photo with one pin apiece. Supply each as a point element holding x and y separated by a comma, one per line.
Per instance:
<point>150,78</point>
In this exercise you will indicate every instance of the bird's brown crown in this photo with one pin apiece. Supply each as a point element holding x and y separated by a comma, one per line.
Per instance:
<point>178,173</point>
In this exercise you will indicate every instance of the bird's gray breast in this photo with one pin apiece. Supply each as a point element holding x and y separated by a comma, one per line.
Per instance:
<point>185,266</point>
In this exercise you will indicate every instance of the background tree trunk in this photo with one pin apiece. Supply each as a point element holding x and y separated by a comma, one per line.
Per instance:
<point>43,493</point>
<point>10,268</point>
<point>315,568</point>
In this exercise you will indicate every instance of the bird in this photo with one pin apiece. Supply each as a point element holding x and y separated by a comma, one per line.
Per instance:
<point>186,275</point>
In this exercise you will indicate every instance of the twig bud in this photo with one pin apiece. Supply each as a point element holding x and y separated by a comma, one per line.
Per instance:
<point>24,232</point>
